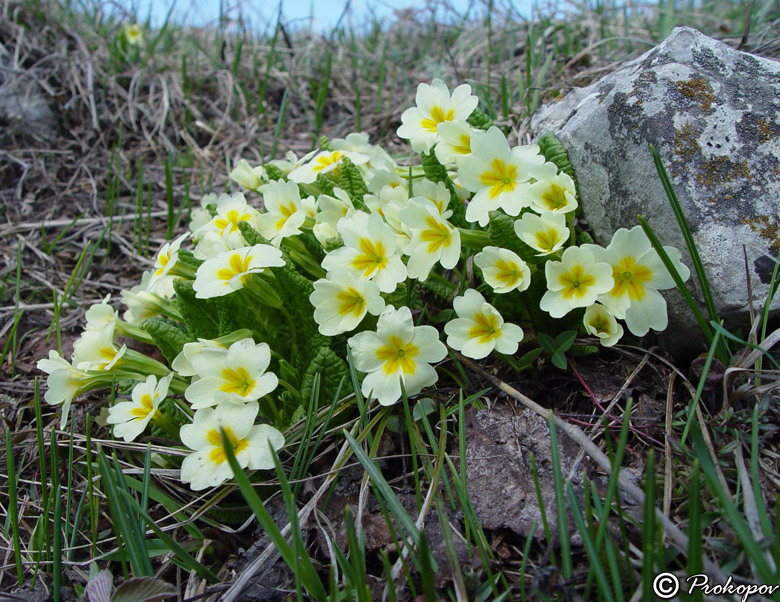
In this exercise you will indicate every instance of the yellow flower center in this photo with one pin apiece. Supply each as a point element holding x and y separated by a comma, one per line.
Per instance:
<point>286,211</point>
<point>629,278</point>
<point>464,145</point>
<point>231,221</point>
<point>508,272</point>
<point>372,257</point>
<point>437,235</point>
<point>217,454</point>
<point>398,355</point>
<point>501,178</point>
<point>162,261</point>
<point>351,302</point>
<point>485,328</point>
<point>327,160</point>
<point>546,241</point>
<point>576,282</point>
<point>236,265</point>
<point>237,381</point>
<point>146,407</point>
<point>600,324</point>
<point>437,116</point>
<point>554,198</point>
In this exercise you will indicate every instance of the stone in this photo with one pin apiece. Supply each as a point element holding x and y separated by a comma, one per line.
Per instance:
<point>499,474</point>
<point>713,114</point>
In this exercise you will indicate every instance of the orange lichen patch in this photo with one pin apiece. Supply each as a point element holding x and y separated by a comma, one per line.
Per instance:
<point>721,169</point>
<point>766,131</point>
<point>686,141</point>
<point>699,90</point>
<point>766,227</point>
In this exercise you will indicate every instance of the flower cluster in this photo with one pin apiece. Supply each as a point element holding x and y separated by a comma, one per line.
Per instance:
<point>346,253</point>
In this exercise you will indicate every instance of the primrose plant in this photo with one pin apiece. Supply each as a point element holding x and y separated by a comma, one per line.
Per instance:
<point>345,253</point>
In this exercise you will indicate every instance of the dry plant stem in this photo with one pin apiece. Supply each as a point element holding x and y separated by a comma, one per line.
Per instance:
<point>578,436</point>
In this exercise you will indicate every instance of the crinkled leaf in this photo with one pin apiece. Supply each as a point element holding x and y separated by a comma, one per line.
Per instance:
<point>234,312</point>
<point>436,172</point>
<point>274,173</point>
<point>325,144</point>
<point>252,236</point>
<point>502,234</point>
<point>333,243</point>
<point>553,151</point>
<point>199,314</point>
<point>325,184</point>
<point>169,336</point>
<point>400,296</point>
<point>294,290</point>
<point>441,288</point>
<point>185,256</point>
<point>313,246</point>
<point>331,368</point>
<point>143,589</point>
<point>289,410</point>
<point>351,181</point>
<point>288,373</point>
<point>501,228</point>
<point>584,238</point>
<point>480,120</point>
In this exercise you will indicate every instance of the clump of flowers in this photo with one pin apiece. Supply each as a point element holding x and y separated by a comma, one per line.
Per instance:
<point>346,253</point>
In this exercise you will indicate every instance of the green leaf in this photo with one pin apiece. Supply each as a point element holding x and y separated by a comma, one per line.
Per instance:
<point>199,314</point>
<point>502,234</point>
<point>554,151</point>
<point>325,184</point>
<point>252,236</point>
<point>313,246</point>
<point>274,173</point>
<point>331,368</point>
<point>558,346</point>
<point>332,244</point>
<point>351,181</point>
<point>186,257</point>
<point>584,238</point>
<point>325,144</point>
<point>288,373</point>
<point>480,120</point>
<point>436,172</point>
<point>169,336</point>
<point>439,287</point>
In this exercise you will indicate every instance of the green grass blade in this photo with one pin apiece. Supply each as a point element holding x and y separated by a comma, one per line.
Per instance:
<point>687,234</point>
<point>766,525</point>
<point>13,506</point>
<point>265,520</point>
<point>731,514</point>
<point>590,546</point>
<point>303,564</point>
<point>695,551</point>
<point>560,503</point>
<point>124,525</point>
<point>700,388</point>
<point>382,485</point>
<point>649,530</point>
<point>182,554</point>
<point>681,286</point>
